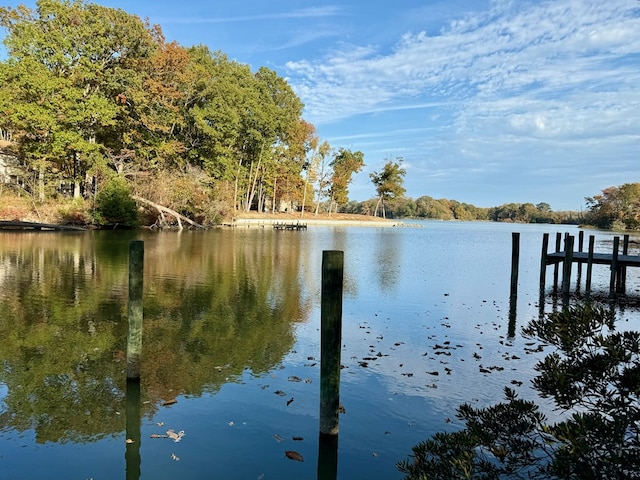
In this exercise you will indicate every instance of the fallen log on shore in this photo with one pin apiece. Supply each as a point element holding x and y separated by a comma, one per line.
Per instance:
<point>18,225</point>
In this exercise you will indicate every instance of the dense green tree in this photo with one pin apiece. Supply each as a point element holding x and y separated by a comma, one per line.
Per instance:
<point>616,207</point>
<point>388,182</point>
<point>70,65</point>
<point>344,165</point>
<point>87,88</point>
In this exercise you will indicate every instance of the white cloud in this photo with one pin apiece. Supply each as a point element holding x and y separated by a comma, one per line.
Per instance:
<point>545,52</point>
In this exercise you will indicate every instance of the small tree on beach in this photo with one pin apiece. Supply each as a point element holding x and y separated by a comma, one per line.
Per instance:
<point>388,183</point>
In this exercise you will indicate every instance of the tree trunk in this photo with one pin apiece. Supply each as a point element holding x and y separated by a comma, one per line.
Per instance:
<point>162,209</point>
<point>375,212</point>
<point>41,183</point>
<point>304,194</point>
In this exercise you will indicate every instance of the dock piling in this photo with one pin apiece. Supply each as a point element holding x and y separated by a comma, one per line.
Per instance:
<point>515,262</point>
<point>543,262</point>
<point>330,340</point>
<point>555,266</point>
<point>587,287</point>
<point>566,266</point>
<point>614,267</point>
<point>134,339</point>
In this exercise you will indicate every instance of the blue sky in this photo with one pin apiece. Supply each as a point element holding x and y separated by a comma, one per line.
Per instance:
<point>487,101</point>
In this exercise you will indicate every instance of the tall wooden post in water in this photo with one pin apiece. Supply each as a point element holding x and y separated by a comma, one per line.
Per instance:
<point>592,240</point>
<point>566,266</point>
<point>330,340</point>
<point>614,267</point>
<point>134,339</point>
<point>515,263</point>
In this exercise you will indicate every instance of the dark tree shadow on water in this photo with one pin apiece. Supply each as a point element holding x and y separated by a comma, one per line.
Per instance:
<point>593,376</point>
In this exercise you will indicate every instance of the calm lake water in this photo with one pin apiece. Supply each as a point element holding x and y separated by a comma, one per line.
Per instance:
<point>231,347</point>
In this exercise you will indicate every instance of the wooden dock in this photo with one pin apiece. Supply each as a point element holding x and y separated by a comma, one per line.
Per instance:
<point>289,226</point>
<point>617,260</point>
<point>17,225</point>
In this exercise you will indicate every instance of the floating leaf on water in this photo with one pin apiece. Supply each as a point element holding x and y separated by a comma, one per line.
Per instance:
<point>290,401</point>
<point>231,424</point>
<point>176,437</point>
<point>175,457</point>
<point>293,378</point>
<point>293,455</point>
<point>278,438</point>
<point>307,380</point>
<point>157,435</point>
<point>128,440</point>
<point>169,402</point>
<point>341,409</point>
<point>160,424</point>
<point>280,392</point>
<point>297,439</point>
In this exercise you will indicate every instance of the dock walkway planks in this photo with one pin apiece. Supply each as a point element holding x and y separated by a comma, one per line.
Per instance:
<point>290,226</point>
<point>616,260</point>
<point>599,258</point>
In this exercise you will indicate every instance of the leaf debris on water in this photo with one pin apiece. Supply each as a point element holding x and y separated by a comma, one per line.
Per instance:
<point>293,455</point>
<point>176,437</point>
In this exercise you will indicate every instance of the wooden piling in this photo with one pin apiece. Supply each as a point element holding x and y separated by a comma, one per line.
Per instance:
<point>134,438</point>
<point>327,457</point>
<point>330,340</point>
<point>515,262</point>
<point>134,339</point>
<point>622,271</point>
<point>614,267</point>
<point>580,247</point>
<point>543,262</point>
<point>566,264</point>
<point>592,240</point>
<point>555,266</point>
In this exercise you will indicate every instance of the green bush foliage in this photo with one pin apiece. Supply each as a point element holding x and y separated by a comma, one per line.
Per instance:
<point>114,204</point>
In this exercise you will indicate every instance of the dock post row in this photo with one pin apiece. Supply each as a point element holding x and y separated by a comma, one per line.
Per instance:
<point>618,262</point>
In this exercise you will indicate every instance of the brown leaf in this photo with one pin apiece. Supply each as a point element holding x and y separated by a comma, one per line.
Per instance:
<point>293,455</point>
<point>169,402</point>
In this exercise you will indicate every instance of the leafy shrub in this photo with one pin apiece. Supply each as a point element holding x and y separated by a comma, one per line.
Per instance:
<point>74,212</point>
<point>114,205</point>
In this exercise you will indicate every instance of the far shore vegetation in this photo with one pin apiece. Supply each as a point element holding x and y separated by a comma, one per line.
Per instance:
<point>105,123</point>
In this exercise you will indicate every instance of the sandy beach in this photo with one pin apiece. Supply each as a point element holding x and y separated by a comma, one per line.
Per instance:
<point>256,219</point>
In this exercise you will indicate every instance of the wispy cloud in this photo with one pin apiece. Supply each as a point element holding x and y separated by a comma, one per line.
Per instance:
<point>564,59</point>
<point>305,13</point>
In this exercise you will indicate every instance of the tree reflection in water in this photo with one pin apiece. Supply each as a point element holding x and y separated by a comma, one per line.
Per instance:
<point>211,312</point>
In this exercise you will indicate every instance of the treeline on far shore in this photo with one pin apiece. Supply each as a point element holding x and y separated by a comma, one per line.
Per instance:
<point>426,207</point>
